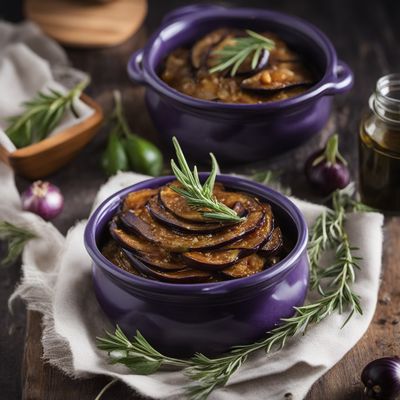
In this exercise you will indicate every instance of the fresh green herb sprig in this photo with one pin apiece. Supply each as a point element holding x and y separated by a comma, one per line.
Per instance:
<point>200,196</point>
<point>127,151</point>
<point>338,296</point>
<point>138,354</point>
<point>41,115</point>
<point>328,232</point>
<point>235,53</point>
<point>272,179</point>
<point>16,238</point>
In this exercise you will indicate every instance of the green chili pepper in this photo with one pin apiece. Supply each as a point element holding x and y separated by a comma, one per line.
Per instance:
<point>114,158</point>
<point>139,154</point>
<point>143,155</point>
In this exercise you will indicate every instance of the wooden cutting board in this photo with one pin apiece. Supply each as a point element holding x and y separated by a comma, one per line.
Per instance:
<point>87,23</point>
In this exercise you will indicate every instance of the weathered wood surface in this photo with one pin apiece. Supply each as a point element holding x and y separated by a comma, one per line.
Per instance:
<point>364,34</point>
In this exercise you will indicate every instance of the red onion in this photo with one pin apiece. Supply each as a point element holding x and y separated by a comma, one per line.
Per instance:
<point>326,169</point>
<point>381,378</point>
<point>44,199</point>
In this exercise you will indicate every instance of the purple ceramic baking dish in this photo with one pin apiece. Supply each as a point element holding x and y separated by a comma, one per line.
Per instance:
<point>180,319</point>
<point>237,132</point>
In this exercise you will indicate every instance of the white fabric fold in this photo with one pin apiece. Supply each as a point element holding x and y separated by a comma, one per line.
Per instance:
<point>57,282</point>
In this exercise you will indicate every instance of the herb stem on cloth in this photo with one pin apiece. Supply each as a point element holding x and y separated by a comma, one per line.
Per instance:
<point>16,238</point>
<point>105,388</point>
<point>234,54</point>
<point>138,355</point>
<point>200,196</point>
<point>41,115</point>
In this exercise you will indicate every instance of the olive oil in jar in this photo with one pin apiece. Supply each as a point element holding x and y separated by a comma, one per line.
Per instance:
<point>379,147</point>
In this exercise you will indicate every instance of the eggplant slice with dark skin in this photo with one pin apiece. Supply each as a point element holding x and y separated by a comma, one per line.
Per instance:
<point>168,219</point>
<point>145,226</point>
<point>161,260</point>
<point>230,254</point>
<point>177,205</point>
<point>283,75</point>
<point>247,266</point>
<point>201,49</point>
<point>213,260</point>
<point>137,200</point>
<point>186,275</point>
<point>274,244</point>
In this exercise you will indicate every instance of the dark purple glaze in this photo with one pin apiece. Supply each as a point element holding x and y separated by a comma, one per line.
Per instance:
<point>180,319</point>
<point>237,132</point>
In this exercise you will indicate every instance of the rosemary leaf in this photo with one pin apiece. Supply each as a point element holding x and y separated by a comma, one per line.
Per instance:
<point>41,115</point>
<point>234,54</point>
<point>16,238</point>
<point>138,355</point>
<point>200,196</point>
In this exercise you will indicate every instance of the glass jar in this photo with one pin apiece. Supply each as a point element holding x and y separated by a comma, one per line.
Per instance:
<point>379,147</point>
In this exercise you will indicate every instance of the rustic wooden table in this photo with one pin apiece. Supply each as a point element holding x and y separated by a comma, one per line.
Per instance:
<point>364,34</point>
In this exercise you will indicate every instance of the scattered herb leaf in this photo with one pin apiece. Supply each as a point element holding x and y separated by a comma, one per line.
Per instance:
<point>16,238</point>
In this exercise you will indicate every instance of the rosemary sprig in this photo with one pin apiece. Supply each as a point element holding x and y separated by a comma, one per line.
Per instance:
<point>235,53</point>
<point>16,238</point>
<point>138,355</point>
<point>210,373</point>
<point>197,195</point>
<point>41,115</point>
<point>328,232</point>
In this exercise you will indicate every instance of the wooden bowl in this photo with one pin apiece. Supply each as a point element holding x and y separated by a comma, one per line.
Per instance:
<point>47,156</point>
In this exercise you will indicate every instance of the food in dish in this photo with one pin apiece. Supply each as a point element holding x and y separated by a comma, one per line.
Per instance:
<point>270,72</point>
<point>156,234</point>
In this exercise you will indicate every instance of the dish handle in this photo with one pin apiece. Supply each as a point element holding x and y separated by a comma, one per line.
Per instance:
<point>135,70</point>
<point>189,10</point>
<point>342,82</point>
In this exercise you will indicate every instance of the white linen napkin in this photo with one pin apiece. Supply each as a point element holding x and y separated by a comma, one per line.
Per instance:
<point>31,62</point>
<point>57,282</point>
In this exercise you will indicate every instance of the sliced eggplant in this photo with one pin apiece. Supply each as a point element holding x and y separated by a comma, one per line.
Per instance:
<point>175,203</point>
<point>132,242</point>
<point>168,219</point>
<point>253,241</point>
<point>201,49</point>
<point>277,77</point>
<point>137,200</point>
<point>212,260</point>
<point>145,226</point>
<point>187,275</point>
<point>162,260</point>
<point>245,267</point>
<point>230,254</point>
<point>274,243</point>
<point>115,254</point>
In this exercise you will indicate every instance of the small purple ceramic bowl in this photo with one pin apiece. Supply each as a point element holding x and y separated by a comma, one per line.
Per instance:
<point>237,132</point>
<point>181,319</point>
